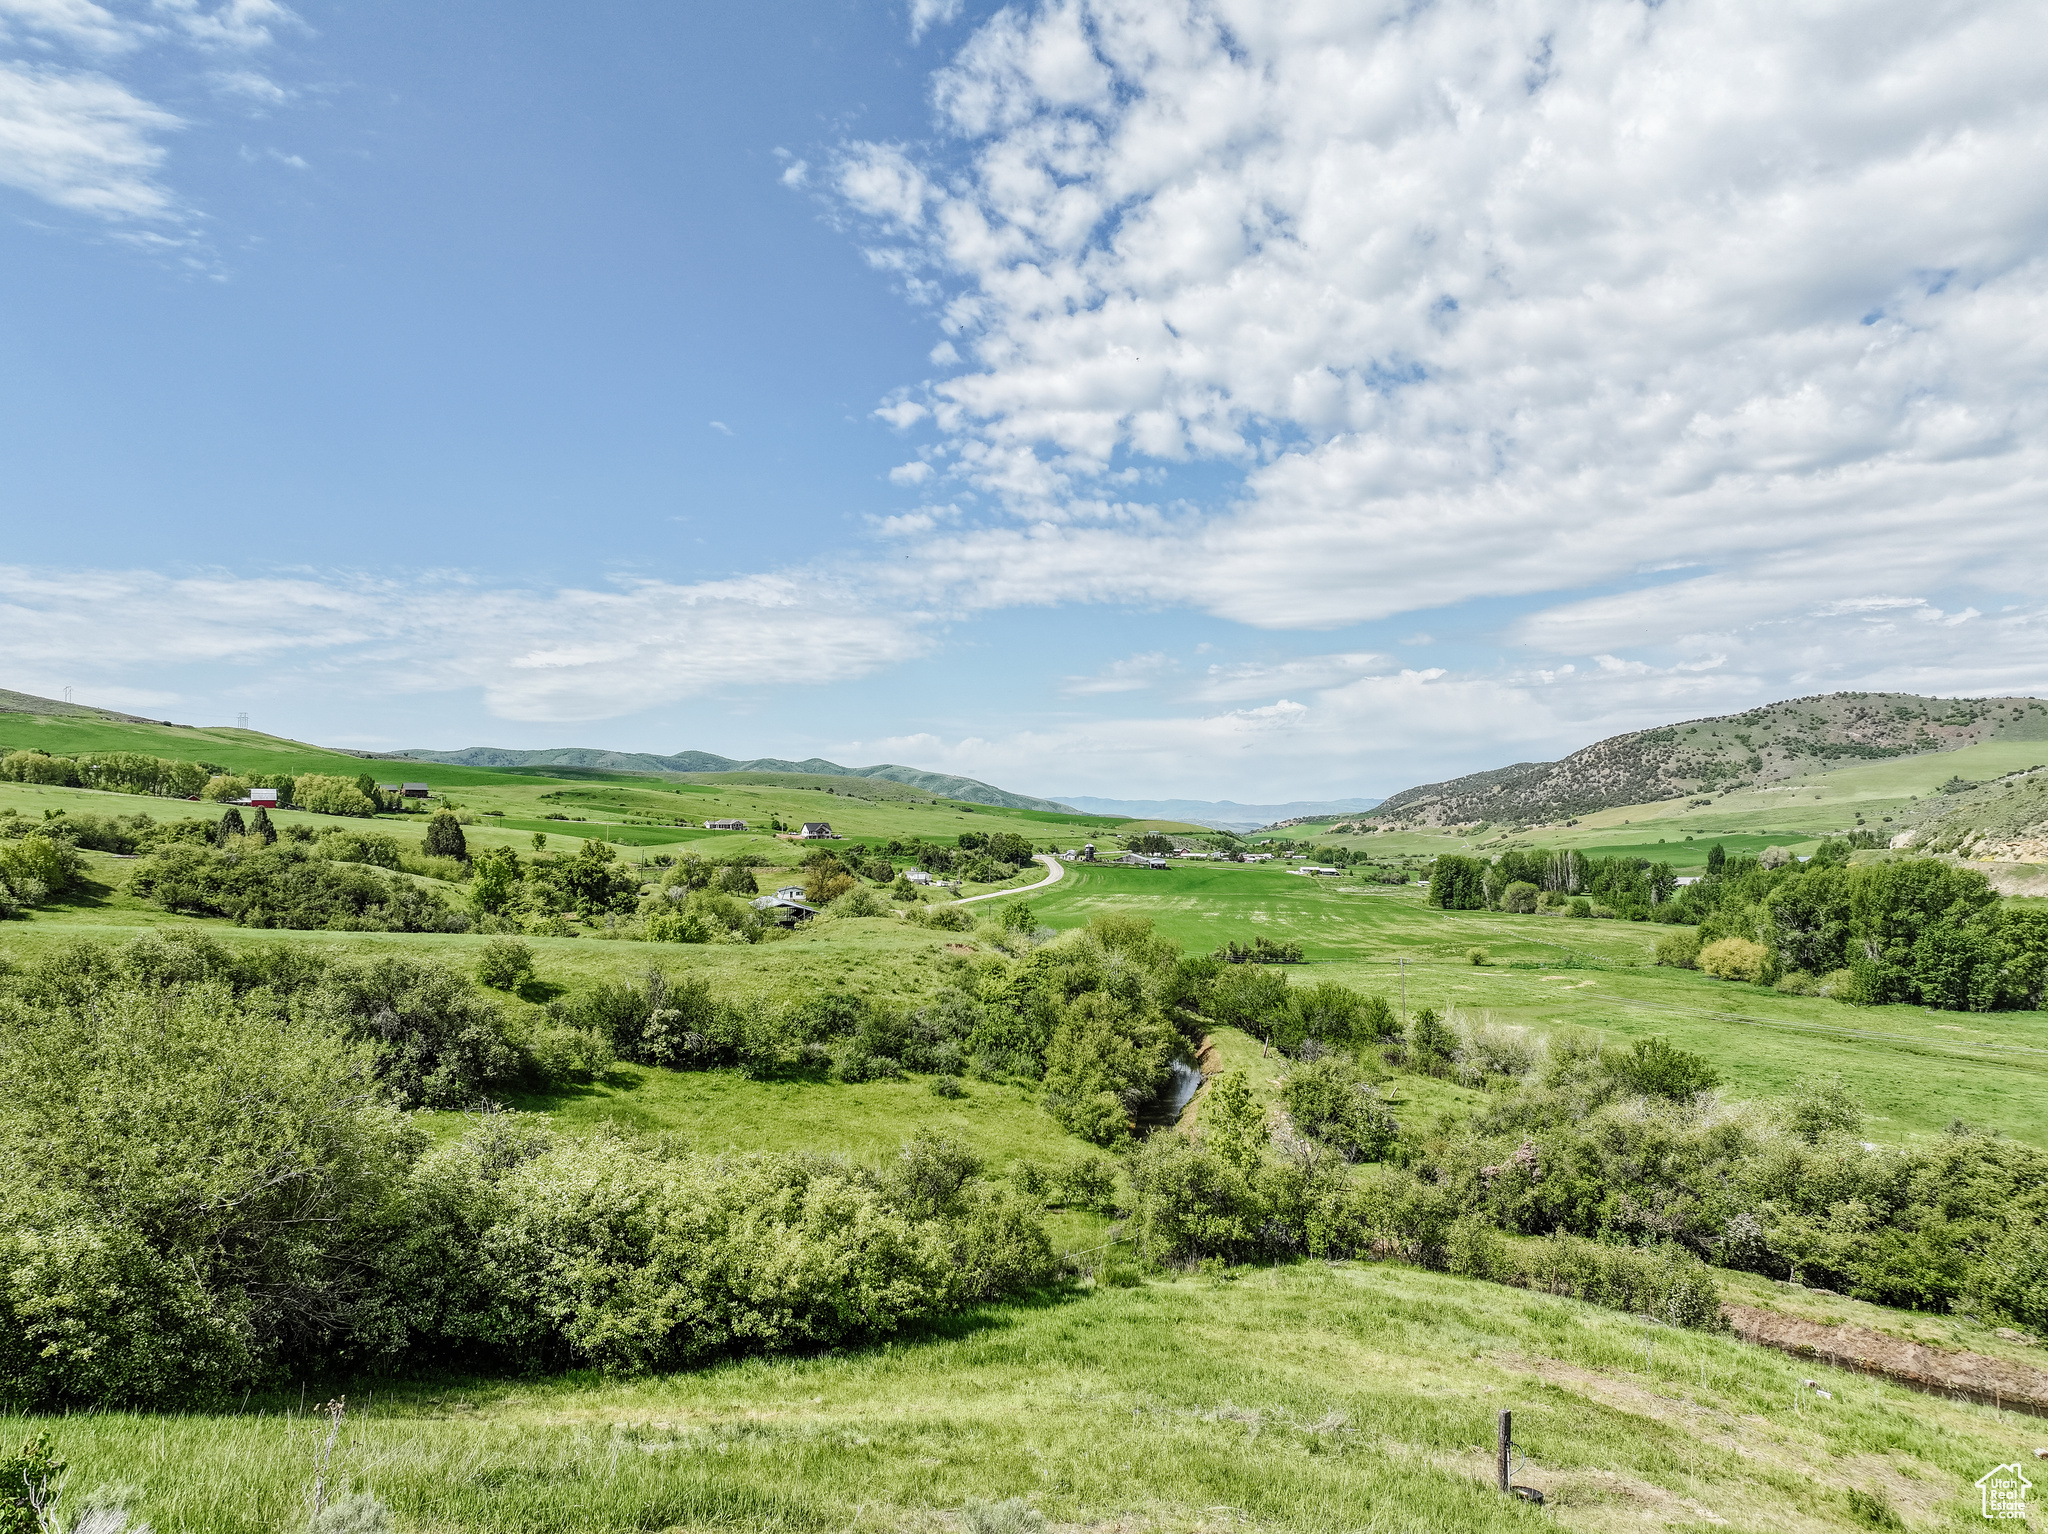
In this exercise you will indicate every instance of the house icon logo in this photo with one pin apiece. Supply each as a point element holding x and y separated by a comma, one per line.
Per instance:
<point>2005,1492</point>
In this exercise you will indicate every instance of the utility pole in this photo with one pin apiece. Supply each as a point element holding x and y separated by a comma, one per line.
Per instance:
<point>67,695</point>
<point>1404,995</point>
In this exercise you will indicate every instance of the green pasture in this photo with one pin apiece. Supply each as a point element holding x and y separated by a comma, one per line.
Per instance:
<point>1916,1070</point>
<point>715,1111</point>
<point>874,808</point>
<point>238,750</point>
<point>1317,1398</point>
<point>1203,905</point>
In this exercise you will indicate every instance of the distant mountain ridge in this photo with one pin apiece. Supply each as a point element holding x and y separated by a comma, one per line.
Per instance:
<point>946,785</point>
<point>1719,755</point>
<point>1223,814</point>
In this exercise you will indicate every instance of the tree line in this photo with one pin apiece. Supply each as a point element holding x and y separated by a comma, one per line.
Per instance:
<point>131,772</point>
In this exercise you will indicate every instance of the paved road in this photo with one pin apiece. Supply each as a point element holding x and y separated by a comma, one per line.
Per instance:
<point>1055,871</point>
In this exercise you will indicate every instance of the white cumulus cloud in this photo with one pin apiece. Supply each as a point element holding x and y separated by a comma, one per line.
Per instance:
<point>1489,299</point>
<point>560,655</point>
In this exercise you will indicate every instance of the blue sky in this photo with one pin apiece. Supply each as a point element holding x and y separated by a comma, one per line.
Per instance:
<point>1133,399</point>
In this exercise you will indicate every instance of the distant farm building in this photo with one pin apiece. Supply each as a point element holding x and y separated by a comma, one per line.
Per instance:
<point>416,791</point>
<point>777,908</point>
<point>1312,868</point>
<point>816,830</point>
<point>725,825</point>
<point>790,892</point>
<point>263,798</point>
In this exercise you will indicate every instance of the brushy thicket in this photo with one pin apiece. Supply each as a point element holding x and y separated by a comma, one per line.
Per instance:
<point>243,871</point>
<point>1629,1161</point>
<point>207,1181</point>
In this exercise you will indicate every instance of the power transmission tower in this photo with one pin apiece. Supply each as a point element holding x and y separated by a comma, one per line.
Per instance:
<point>241,721</point>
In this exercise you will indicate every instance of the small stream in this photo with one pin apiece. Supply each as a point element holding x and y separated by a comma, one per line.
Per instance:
<point>1164,1111</point>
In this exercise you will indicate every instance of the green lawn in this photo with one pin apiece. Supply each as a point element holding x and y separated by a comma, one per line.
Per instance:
<point>1315,1398</point>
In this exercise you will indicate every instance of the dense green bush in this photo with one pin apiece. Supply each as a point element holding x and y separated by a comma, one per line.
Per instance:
<point>206,1183</point>
<point>37,867</point>
<point>288,886</point>
<point>1330,1101</point>
<point>190,1193</point>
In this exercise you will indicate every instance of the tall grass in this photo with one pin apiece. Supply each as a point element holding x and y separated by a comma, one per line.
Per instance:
<point>1311,1398</point>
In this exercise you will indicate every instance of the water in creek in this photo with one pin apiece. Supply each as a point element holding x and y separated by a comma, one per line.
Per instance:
<point>1164,1111</point>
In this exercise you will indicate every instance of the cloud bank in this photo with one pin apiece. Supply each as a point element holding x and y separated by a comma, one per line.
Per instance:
<point>1484,300</point>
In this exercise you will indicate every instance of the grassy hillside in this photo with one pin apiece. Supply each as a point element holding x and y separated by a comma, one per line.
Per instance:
<point>1762,747</point>
<point>633,809</point>
<point>1318,1398</point>
<point>936,784</point>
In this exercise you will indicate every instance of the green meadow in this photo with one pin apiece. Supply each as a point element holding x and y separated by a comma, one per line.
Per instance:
<point>1309,1396</point>
<point>1318,1397</point>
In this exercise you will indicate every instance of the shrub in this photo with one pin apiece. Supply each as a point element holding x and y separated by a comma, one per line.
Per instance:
<point>1580,906</point>
<point>1430,1042</point>
<point>858,901</point>
<point>372,848</point>
<point>1821,1106</point>
<point>435,1042</point>
<point>947,1086</point>
<point>1520,898</point>
<point>1232,1123</point>
<point>1328,1101</point>
<point>195,1171</point>
<point>505,964</point>
<point>38,868</point>
<point>1681,950</point>
<point>1663,1281</point>
<point>1654,1068</point>
<point>1734,958</point>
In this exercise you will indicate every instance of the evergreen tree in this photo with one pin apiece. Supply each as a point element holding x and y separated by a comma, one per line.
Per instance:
<point>230,824</point>
<point>444,836</point>
<point>261,827</point>
<point>1717,860</point>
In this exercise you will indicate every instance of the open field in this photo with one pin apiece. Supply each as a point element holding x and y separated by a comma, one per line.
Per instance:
<point>1320,1397</point>
<point>1916,1070</point>
<point>629,808</point>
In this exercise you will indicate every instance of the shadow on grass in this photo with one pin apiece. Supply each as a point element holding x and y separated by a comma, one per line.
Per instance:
<point>429,1389</point>
<point>85,895</point>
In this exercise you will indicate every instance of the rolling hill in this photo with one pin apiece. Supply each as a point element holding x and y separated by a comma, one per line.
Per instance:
<point>945,785</point>
<point>2005,820</point>
<point>1726,754</point>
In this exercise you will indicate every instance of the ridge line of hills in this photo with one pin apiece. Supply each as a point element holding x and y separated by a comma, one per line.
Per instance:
<point>1717,755</point>
<point>945,785</point>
